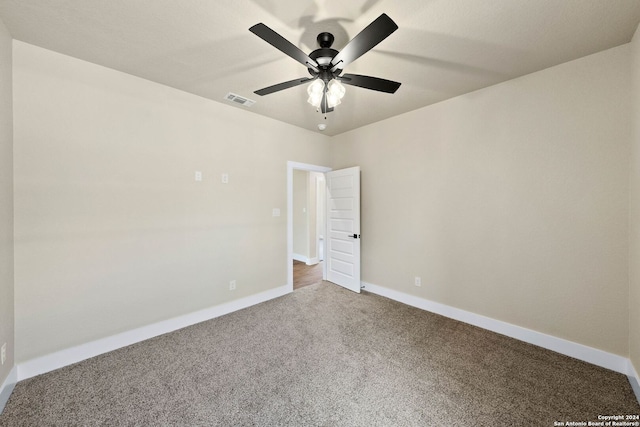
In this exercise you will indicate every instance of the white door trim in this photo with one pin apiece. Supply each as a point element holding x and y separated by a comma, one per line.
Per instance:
<point>290,167</point>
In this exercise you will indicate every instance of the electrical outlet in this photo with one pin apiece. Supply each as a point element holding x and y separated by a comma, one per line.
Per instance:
<point>418,281</point>
<point>198,176</point>
<point>232,285</point>
<point>3,353</point>
<point>225,178</point>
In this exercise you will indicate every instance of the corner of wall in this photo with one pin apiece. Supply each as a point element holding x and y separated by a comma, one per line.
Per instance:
<point>7,387</point>
<point>7,369</point>
<point>634,380</point>
<point>634,221</point>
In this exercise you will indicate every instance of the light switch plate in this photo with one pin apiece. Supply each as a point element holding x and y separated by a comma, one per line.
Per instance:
<point>225,178</point>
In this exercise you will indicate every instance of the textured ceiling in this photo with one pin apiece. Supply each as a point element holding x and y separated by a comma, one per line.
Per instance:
<point>442,49</point>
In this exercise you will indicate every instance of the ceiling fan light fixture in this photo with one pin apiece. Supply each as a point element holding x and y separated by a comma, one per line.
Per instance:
<point>315,91</point>
<point>315,100</point>
<point>332,102</point>
<point>336,89</point>
<point>335,93</point>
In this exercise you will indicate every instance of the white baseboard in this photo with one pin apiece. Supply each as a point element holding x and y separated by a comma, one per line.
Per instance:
<point>634,379</point>
<point>306,260</point>
<point>7,387</point>
<point>85,351</point>
<point>301,258</point>
<point>559,345</point>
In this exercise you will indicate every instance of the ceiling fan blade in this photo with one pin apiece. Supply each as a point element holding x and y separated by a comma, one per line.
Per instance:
<point>282,86</point>
<point>368,82</point>
<point>373,34</point>
<point>284,45</point>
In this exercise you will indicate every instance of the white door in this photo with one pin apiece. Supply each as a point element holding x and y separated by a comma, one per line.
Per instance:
<point>343,228</point>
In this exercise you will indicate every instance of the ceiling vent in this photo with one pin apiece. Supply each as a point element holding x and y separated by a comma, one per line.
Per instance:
<point>240,100</point>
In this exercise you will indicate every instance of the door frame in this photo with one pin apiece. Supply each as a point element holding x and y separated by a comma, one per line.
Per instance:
<point>309,168</point>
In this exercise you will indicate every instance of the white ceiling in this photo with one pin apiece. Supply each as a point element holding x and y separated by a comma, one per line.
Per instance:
<point>442,49</point>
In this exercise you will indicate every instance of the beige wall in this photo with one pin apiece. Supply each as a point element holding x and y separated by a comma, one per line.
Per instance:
<point>111,231</point>
<point>6,202</point>
<point>312,202</point>
<point>305,214</point>
<point>634,214</point>
<point>300,217</point>
<point>510,202</point>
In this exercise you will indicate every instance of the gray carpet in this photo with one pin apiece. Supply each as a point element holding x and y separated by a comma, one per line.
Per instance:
<point>323,356</point>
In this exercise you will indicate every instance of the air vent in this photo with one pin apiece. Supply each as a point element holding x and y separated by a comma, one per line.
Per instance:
<point>240,100</point>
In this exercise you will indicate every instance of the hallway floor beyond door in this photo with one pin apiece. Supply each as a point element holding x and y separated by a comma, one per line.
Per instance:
<point>305,275</point>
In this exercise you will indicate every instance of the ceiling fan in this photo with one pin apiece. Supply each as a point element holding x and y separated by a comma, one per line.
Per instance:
<point>326,64</point>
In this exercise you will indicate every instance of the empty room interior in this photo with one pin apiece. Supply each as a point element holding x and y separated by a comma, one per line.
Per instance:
<point>461,179</point>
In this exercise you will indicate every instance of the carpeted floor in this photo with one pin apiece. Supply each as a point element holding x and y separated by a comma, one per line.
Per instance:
<point>323,356</point>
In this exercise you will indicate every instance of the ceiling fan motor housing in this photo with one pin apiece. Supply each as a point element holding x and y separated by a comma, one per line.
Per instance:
<point>325,39</point>
<point>323,57</point>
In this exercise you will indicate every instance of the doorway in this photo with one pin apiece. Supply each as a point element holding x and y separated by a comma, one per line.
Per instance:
<point>305,223</point>
<point>308,227</point>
